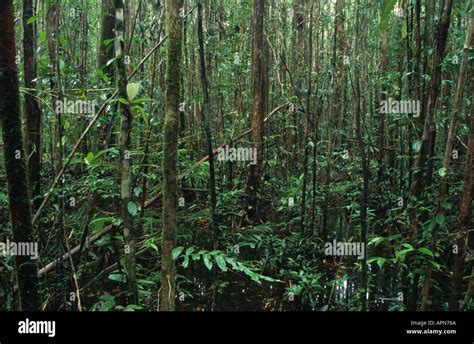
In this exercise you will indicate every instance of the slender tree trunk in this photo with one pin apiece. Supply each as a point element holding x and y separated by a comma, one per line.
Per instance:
<point>465,218</point>
<point>170,154</point>
<point>458,100</point>
<point>383,96</point>
<point>365,167</point>
<point>427,142</point>
<point>308,105</point>
<point>442,36</point>
<point>206,116</point>
<point>125,157</point>
<point>15,159</point>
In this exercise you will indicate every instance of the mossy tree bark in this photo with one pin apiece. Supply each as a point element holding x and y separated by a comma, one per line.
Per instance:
<point>15,159</point>
<point>170,149</point>
<point>125,157</point>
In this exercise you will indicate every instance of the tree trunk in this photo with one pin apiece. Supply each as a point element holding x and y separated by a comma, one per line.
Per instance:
<point>465,219</point>
<point>365,167</point>
<point>15,159</point>
<point>106,51</point>
<point>206,116</point>
<point>307,113</point>
<point>125,158</point>
<point>32,107</point>
<point>259,91</point>
<point>417,185</point>
<point>427,142</point>
<point>170,152</point>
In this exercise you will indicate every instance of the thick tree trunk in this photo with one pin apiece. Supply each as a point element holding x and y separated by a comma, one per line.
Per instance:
<point>259,91</point>
<point>15,159</point>
<point>170,152</point>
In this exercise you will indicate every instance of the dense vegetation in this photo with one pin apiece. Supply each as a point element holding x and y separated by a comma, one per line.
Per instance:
<point>237,155</point>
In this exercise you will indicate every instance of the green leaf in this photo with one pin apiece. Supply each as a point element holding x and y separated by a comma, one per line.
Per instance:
<point>132,90</point>
<point>123,101</point>
<point>426,251</point>
<point>137,191</point>
<point>177,251</point>
<point>132,208</point>
<point>208,262</point>
<point>89,158</point>
<point>118,278</point>
<point>401,254</point>
<point>112,60</point>
<point>442,172</point>
<point>186,262</point>
<point>153,246</point>
<point>42,37</point>
<point>381,262</point>
<point>221,263</point>
<point>99,224</point>
<point>440,219</point>
<point>375,241</point>
<point>32,20</point>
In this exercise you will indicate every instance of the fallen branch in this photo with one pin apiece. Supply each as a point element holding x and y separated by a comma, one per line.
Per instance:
<point>51,266</point>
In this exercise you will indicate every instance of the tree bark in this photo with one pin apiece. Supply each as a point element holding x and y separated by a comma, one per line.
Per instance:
<point>15,159</point>
<point>365,166</point>
<point>427,141</point>
<point>417,184</point>
<point>259,91</point>
<point>465,220</point>
<point>170,152</point>
<point>32,107</point>
<point>125,157</point>
<point>106,51</point>
<point>206,116</point>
